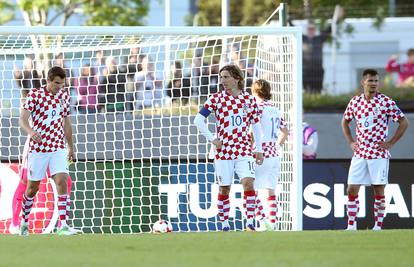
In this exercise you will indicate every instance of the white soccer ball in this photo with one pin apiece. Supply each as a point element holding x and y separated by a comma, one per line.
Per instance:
<point>162,226</point>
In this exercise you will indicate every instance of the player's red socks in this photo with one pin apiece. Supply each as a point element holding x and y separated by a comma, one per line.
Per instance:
<point>249,203</point>
<point>352,210</point>
<point>223,205</point>
<point>27,205</point>
<point>272,202</point>
<point>379,210</point>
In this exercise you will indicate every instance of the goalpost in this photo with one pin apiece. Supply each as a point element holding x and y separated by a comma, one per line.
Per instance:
<point>139,158</point>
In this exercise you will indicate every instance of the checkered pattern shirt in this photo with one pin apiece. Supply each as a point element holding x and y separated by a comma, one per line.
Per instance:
<point>372,117</point>
<point>234,114</point>
<point>272,121</point>
<point>47,113</point>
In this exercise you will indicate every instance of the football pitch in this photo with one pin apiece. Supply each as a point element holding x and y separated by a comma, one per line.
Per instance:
<point>308,248</point>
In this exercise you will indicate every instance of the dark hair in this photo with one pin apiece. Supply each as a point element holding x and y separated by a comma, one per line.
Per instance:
<point>236,73</point>
<point>56,71</point>
<point>410,52</point>
<point>370,72</point>
<point>262,88</point>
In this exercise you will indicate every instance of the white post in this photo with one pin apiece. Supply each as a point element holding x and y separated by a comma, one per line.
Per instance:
<point>167,24</point>
<point>297,139</point>
<point>334,49</point>
<point>224,23</point>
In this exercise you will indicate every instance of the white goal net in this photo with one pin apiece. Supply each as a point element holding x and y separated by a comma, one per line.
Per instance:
<point>134,94</point>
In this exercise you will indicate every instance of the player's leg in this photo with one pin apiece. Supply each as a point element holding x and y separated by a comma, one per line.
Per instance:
<point>378,169</point>
<point>272,203</point>
<point>266,180</point>
<point>37,164</point>
<point>224,174</point>
<point>59,170</point>
<point>244,168</point>
<point>272,180</point>
<point>358,175</point>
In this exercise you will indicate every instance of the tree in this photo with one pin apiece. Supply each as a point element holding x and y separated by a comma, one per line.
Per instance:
<point>96,12</point>
<point>255,12</point>
<point>6,11</point>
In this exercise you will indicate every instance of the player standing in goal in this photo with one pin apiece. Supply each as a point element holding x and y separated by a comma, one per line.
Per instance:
<point>369,165</point>
<point>235,110</point>
<point>275,134</point>
<point>48,108</point>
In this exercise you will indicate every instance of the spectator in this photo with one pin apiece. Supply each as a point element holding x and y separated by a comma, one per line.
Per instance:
<point>180,85</point>
<point>313,71</point>
<point>405,70</point>
<point>196,72</point>
<point>112,86</point>
<point>98,65</point>
<point>70,78</point>
<point>132,68</point>
<point>149,88</point>
<point>312,58</point>
<point>210,79</point>
<point>310,141</point>
<point>28,78</point>
<point>87,91</point>
<point>238,58</point>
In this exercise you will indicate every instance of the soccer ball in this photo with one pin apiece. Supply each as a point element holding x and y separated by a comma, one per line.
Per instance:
<point>162,226</point>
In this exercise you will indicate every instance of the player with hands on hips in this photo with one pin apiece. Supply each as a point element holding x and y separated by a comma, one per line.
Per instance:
<point>372,112</point>
<point>275,134</point>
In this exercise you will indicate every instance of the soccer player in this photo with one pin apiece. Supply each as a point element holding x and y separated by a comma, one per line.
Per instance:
<point>48,108</point>
<point>21,188</point>
<point>275,134</point>
<point>235,110</point>
<point>369,165</point>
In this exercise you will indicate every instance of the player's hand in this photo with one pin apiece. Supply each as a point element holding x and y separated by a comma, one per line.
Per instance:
<point>259,158</point>
<point>385,145</point>
<point>354,146</point>
<point>71,156</point>
<point>394,57</point>
<point>35,136</point>
<point>217,143</point>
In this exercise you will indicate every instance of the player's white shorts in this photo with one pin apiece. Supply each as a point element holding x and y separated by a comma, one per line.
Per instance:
<point>225,169</point>
<point>38,163</point>
<point>267,174</point>
<point>368,171</point>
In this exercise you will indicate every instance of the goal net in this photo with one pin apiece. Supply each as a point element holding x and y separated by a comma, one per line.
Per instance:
<point>134,94</point>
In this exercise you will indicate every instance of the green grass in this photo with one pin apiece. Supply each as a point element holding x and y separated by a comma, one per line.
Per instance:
<point>389,248</point>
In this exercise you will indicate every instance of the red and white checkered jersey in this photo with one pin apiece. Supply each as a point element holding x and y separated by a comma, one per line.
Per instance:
<point>272,121</point>
<point>47,113</point>
<point>234,114</point>
<point>372,118</point>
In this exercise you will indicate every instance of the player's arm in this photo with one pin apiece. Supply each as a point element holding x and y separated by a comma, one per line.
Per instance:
<point>402,126</point>
<point>24,123</point>
<point>348,135</point>
<point>201,125</point>
<point>283,136</point>
<point>258,137</point>
<point>67,128</point>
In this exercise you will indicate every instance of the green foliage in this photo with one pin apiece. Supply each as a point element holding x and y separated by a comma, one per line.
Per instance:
<point>328,103</point>
<point>116,12</point>
<point>255,12</point>
<point>6,11</point>
<point>96,12</point>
